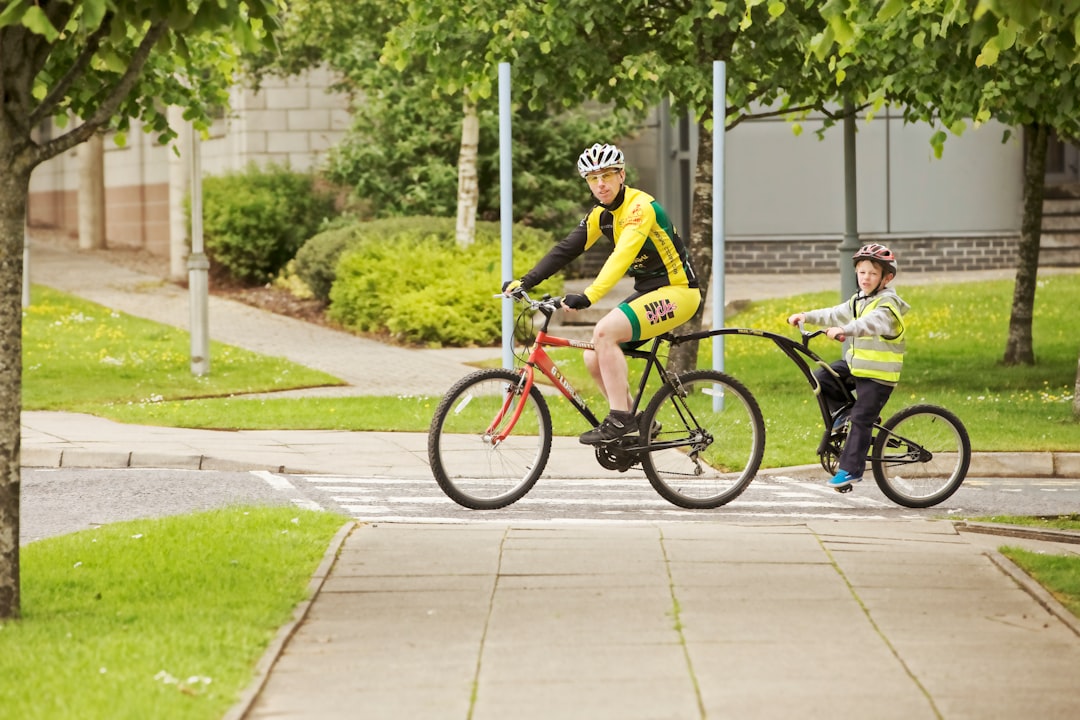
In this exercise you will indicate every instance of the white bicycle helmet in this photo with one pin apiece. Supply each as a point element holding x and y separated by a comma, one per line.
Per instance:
<point>600,157</point>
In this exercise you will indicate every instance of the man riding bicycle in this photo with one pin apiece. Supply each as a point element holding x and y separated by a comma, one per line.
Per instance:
<point>647,247</point>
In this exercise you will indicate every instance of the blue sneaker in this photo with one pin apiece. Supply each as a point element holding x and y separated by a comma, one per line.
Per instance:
<point>840,419</point>
<point>843,479</point>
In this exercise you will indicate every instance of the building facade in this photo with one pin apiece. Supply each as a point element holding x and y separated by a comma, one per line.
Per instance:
<point>784,193</point>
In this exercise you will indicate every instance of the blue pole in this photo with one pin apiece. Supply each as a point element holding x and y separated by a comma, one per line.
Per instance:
<point>506,214</point>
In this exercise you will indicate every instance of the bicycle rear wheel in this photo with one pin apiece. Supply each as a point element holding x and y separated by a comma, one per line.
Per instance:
<point>471,464</point>
<point>921,457</point>
<point>710,441</point>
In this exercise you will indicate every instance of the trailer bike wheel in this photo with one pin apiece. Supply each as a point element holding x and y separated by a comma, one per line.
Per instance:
<point>921,456</point>
<point>473,464</point>
<point>706,441</point>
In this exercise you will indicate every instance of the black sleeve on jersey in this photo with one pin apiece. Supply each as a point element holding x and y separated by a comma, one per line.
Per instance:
<point>558,257</point>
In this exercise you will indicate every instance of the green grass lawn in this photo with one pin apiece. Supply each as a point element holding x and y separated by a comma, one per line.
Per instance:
<point>155,618</point>
<point>957,334</point>
<point>80,356</point>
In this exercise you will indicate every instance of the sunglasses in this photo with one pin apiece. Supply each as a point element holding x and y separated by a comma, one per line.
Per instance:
<point>604,177</point>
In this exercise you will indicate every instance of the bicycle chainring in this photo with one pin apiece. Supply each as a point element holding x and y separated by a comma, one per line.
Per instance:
<point>830,461</point>
<point>830,455</point>
<point>613,457</point>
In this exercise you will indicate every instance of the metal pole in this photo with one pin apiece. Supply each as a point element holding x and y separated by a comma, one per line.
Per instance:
<point>506,211</point>
<point>198,269</point>
<point>850,244</point>
<point>718,279</point>
<point>26,265</point>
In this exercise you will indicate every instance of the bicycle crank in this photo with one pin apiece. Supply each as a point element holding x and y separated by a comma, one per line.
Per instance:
<point>613,457</point>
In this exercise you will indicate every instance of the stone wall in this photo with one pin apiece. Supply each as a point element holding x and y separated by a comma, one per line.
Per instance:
<point>919,254</point>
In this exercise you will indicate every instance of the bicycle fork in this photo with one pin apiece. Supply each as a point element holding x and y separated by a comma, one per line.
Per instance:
<point>520,391</point>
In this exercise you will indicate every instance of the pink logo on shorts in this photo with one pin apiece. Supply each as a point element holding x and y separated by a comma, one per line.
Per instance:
<point>660,311</point>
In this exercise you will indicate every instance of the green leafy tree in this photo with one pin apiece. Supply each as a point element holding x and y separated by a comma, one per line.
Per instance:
<point>635,53</point>
<point>954,63</point>
<point>628,56</point>
<point>104,63</point>
<point>415,146</point>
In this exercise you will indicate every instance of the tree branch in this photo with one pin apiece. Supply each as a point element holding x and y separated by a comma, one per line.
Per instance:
<point>775,113</point>
<point>59,91</point>
<point>107,108</point>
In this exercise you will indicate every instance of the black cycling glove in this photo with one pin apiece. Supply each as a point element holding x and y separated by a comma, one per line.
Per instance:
<point>576,301</point>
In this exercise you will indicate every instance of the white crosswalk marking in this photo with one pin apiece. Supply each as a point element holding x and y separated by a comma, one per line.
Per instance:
<point>625,498</point>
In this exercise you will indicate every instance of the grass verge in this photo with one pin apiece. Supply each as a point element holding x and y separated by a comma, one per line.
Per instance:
<point>1059,574</point>
<point>156,618</point>
<point>956,339</point>
<point>83,357</point>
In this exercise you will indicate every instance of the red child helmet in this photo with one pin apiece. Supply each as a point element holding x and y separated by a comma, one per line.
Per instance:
<point>880,254</point>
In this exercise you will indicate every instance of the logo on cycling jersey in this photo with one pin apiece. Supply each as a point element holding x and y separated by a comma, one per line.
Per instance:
<point>659,311</point>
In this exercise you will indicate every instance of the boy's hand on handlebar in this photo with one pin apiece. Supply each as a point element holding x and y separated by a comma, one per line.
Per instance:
<point>836,334</point>
<point>797,319</point>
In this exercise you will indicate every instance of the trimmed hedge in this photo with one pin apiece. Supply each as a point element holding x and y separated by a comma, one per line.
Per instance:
<point>408,278</point>
<point>255,220</point>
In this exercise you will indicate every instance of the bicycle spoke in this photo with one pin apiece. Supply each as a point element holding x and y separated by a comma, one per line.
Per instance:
<point>922,456</point>
<point>472,462</point>
<point>711,440</point>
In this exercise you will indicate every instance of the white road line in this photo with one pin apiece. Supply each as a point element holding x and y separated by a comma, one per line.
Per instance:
<point>282,483</point>
<point>275,481</point>
<point>478,518</point>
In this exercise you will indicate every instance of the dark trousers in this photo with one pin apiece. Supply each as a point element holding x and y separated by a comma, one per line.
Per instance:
<point>870,399</point>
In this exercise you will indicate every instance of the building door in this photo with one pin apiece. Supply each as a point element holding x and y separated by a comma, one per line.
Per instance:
<point>1062,162</point>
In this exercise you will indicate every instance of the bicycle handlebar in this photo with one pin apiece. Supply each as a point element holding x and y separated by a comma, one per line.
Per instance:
<point>546,302</point>
<point>808,336</point>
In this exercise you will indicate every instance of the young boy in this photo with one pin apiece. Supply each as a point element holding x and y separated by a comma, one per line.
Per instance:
<point>873,318</point>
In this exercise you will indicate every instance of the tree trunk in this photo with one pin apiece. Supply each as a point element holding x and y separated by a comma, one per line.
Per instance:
<point>1076,391</point>
<point>468,187</point>
<point>1018,346</point>
<point>92,193</point>
<point>14,187</point>
<point>683,357</point>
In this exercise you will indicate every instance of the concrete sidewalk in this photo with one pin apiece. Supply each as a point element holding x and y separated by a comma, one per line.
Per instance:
<point>680,620</point>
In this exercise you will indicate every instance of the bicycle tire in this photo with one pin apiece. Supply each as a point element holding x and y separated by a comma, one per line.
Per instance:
<point>710,442</point>
<point>472,469</point>
<point>921,457</point>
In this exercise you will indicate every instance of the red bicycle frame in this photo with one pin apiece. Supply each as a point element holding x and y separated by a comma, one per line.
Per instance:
<point>539,360</point>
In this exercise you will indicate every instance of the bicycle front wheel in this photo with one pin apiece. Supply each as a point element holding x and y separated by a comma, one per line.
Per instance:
<point>708,437</point>
<point>921,457</point>
<point>473,464</point>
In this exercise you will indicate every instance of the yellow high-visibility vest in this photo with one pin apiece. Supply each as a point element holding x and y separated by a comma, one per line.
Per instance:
<point>876,356</point>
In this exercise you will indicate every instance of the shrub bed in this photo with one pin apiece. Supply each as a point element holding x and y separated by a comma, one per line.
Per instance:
<point>407,278</point>
<point>255,220</point>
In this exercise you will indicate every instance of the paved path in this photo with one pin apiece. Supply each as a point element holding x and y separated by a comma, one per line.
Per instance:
<point>715,619</point>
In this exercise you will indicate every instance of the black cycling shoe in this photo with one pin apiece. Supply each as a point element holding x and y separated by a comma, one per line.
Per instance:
<point>654,430</point>
<point>615,425</point>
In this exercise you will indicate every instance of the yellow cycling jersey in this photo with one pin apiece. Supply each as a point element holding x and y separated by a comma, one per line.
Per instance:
<point>647,247</point>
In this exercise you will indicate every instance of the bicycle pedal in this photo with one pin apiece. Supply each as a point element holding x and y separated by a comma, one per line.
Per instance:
<point>845,489</point>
